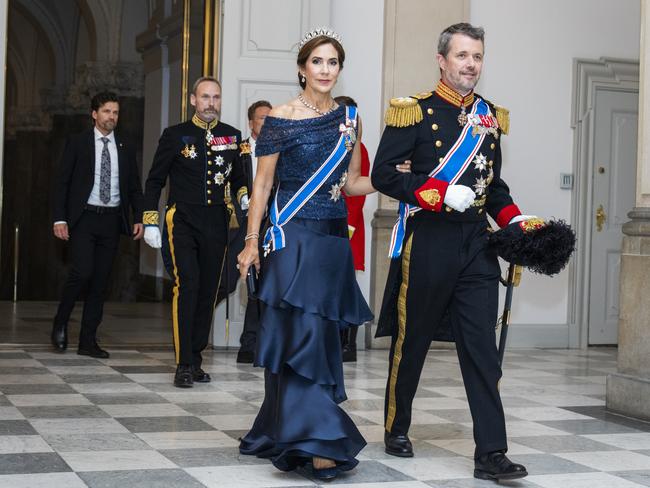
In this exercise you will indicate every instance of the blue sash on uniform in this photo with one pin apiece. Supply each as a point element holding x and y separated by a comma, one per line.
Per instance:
<point>450,170</point>
<point>274,238</point>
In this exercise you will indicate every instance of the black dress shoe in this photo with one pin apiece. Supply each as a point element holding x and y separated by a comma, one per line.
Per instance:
<point>200,376</point>
<point>398,445</point>
<point>246,357</point>
<point>183,377</point>
<point>59,337</point>
<point>349,354</point>
<point>496,466</point>
<point>93,350</point>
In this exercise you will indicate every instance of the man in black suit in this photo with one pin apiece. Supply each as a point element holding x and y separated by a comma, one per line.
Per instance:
<point>257,113</point>
<point>97,184</point>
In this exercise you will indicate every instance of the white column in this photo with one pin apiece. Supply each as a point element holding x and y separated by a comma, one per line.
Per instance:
<point>628,390</point>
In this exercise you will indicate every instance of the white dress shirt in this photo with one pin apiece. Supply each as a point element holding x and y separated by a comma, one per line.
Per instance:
<point>115,171</point>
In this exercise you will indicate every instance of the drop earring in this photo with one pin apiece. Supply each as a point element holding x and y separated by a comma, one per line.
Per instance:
<point>303,79</point>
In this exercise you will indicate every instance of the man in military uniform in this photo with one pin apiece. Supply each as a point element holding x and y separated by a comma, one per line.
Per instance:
<point>200,157</point>
<point>442,271</point>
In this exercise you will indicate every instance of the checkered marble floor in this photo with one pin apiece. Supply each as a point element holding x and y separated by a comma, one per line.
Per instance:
<point>70,421</point>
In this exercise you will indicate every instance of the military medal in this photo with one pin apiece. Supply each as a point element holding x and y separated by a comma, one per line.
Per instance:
<point>218,160</point>
<point>462,117</point>
<point>335,191</point>
<point>189,151</point>
<point>219,178</point>
<point>350,134</point>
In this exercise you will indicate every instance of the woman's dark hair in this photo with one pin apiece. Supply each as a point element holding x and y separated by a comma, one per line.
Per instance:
<point>345,100</point>
<point>308,48</point>
<point>102,98</point>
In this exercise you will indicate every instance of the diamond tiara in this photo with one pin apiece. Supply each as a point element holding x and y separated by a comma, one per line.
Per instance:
<point>320,32</point>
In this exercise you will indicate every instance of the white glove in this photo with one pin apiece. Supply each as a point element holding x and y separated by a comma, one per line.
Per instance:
<point>243,202</point>
<point>152,236</point>
<point>519,218</point>
<point>459,197</point>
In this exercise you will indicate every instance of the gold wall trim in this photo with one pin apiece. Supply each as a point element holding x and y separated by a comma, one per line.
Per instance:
<point>185,62</point>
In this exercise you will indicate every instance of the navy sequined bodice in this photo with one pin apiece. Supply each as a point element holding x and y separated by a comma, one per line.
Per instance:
<point>303,146</point>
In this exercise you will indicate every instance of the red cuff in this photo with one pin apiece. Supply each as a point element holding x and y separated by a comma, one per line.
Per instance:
<point>431,195</point>
<point>506,214</point>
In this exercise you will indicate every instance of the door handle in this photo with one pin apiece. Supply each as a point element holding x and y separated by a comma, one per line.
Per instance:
<point>601,218</point>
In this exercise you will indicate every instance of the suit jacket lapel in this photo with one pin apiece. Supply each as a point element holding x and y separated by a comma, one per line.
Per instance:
<point>88,156</point>
<point>121,163</point>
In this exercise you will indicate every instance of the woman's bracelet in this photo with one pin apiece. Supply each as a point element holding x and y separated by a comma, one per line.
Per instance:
<point>252,235</point>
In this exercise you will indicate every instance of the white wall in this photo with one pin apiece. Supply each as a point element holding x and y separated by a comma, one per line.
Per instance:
<point>530,47</point>
<point>361,25</point>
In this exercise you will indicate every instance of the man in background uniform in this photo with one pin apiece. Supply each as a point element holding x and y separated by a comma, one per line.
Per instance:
<point>200,157</point>
<point>441,264</point>
<point>257,113</point>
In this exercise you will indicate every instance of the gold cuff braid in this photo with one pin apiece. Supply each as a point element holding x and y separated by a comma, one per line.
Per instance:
<point>241,192</point>
<point>150,217</point>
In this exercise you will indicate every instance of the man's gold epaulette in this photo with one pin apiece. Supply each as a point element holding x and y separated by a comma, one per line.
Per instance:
<point>405,111</point>
<point>503,118</point>
<point>244,148</point>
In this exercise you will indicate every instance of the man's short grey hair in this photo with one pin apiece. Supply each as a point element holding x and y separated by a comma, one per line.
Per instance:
<point>201,80</point>
<point>477,33</point>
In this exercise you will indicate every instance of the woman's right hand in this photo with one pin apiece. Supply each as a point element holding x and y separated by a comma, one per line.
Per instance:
<point>249,256</point>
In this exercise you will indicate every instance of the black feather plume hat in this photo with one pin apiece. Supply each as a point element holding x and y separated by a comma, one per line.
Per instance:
<point>541,246</point>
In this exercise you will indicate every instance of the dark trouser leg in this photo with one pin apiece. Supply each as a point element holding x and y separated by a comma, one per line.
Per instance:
<point>180,253</point>
<point>427,270</point>
<point>82,258</point>
<point>212,248</point>
<point>248,336</point>
<point>473,314</point>
<point>107,236</point>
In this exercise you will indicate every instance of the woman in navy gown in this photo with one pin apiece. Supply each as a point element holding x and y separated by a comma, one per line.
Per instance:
<point>307,281</point>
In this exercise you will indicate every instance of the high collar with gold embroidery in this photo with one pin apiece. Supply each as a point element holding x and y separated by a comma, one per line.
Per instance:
<point>196,120</point>
<point>452,96</point>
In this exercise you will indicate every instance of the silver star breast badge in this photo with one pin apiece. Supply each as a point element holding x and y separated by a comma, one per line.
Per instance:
<point>335,192</point>
<point>218,160</point>
<point>219,178</point>
<point>480,186</point>
<point>480,162</point>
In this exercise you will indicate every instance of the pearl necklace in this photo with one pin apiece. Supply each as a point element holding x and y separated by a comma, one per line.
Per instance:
<point>315,109</point>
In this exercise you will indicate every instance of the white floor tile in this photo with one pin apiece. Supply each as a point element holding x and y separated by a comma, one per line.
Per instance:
<point>262,476</point>
<point>15,444</point>
<point>116,460</point>
<point>609,460</point>
<point>44,480</point>
<point>581,480</point>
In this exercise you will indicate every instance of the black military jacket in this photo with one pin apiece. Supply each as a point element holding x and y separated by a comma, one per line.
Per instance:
<point>199,159</point>
<point>426,142</point>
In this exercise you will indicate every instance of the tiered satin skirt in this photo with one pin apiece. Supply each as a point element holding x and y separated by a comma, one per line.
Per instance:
<point>310,293</point>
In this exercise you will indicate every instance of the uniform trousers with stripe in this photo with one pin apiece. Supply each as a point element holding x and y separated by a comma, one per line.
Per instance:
<point>194,245</point>
<point>448,268</point>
